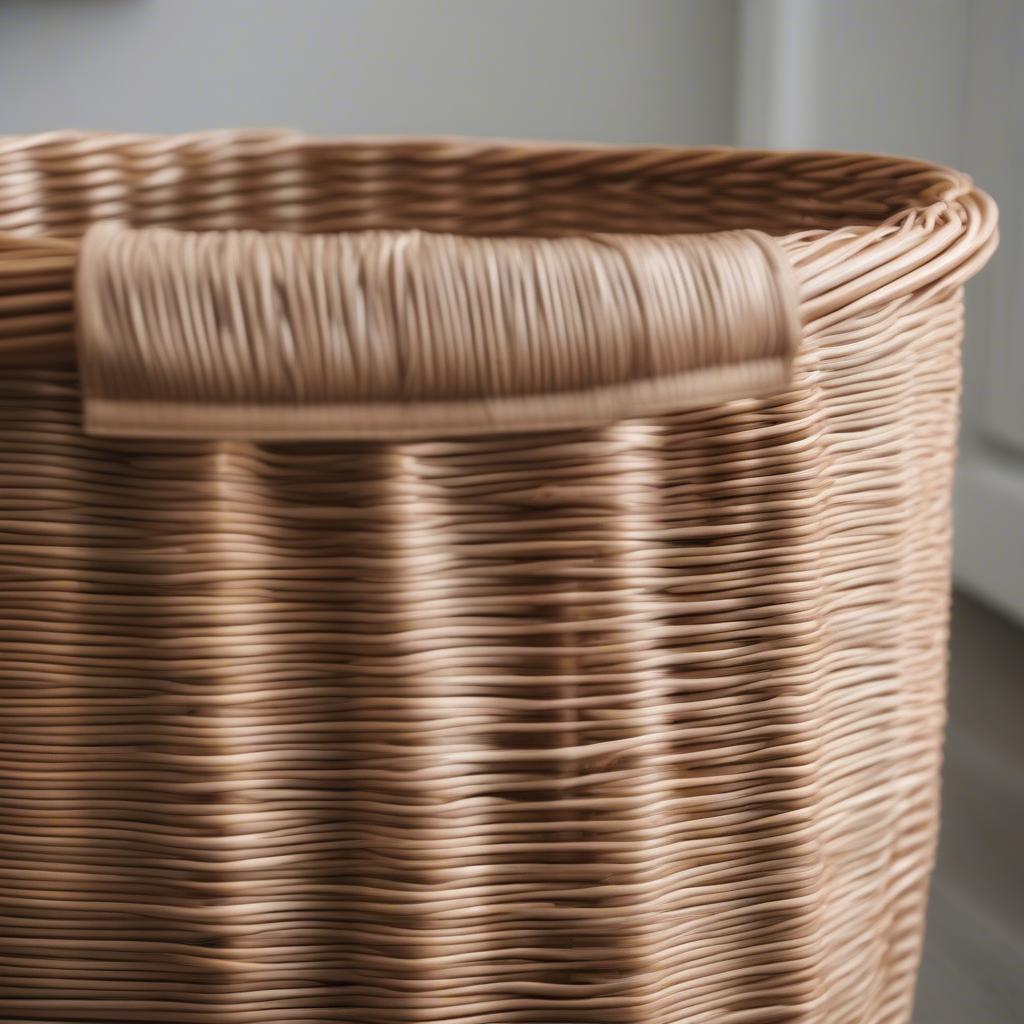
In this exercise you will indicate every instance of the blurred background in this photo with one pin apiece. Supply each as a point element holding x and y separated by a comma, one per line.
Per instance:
<point>931,78</point>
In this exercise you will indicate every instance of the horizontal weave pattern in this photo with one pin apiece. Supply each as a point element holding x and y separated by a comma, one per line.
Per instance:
<point>638,722</point>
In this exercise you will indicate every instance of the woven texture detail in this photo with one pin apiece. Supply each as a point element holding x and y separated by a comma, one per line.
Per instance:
<point>385,334</point>
<point>638,721</point>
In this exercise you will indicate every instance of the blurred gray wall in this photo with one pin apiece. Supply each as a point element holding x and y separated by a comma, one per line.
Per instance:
<point>614,70</point>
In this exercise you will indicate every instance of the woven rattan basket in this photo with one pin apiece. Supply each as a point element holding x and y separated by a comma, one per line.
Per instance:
<point>470,582</point>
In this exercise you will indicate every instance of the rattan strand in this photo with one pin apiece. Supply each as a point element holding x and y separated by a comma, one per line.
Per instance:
<point>637,722</point>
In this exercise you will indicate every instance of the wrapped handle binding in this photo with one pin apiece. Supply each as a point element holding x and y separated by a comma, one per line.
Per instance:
<point>401,334</point>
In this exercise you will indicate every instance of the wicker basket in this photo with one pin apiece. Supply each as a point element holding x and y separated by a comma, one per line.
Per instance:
<point>491,582</point>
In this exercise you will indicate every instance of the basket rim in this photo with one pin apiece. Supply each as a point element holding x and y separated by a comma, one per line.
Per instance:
<point>923,247</point>
<point>19,141</point>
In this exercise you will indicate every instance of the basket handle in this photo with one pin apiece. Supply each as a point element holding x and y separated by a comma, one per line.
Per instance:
<point>404,334</point>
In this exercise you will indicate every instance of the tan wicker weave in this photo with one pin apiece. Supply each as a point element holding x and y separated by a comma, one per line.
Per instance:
<point>587,666</point>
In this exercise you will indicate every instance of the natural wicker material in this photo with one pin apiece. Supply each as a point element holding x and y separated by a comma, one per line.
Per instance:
<point>633,722</point>
<point>393,334</point>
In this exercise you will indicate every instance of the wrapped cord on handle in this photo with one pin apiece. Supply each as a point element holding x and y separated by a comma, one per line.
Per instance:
<point>399,334</point>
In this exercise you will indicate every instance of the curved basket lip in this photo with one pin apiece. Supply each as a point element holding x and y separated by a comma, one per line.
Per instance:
<point>958,184</point>
<point>283,137</point>
<point>936,244</point>
<point>27,140</point>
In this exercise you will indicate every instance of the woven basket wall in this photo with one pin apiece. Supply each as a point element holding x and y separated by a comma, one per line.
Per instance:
<point>454,582</point>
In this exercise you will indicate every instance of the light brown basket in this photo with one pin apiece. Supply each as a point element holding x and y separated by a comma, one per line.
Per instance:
<point>479,593</point>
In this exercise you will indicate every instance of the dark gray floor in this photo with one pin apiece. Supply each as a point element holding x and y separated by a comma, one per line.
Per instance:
<point>973,968</point>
